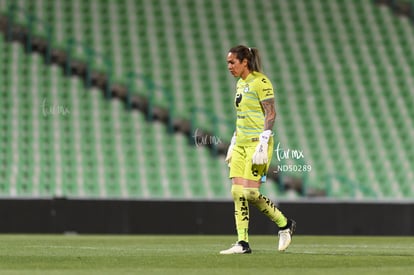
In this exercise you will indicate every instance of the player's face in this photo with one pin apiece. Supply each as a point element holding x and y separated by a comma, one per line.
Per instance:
<point>236,68</point>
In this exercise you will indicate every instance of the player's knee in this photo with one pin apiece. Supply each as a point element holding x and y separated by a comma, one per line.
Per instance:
<point>251,194</point>
<point>237,191</point>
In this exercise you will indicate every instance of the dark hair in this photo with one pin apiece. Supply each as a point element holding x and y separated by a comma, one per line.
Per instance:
<point>254,63</point>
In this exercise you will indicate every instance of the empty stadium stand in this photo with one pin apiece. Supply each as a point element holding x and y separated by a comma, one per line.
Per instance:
<point>343,72</point>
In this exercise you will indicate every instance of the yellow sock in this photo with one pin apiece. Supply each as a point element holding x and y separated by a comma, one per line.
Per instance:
<point>265,205</point>
<point>241,212</point>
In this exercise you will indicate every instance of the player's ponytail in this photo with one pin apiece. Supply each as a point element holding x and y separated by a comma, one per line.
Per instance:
<point>254,62</point>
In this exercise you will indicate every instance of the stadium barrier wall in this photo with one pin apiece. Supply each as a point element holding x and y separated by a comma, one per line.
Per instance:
<point>200,217</point>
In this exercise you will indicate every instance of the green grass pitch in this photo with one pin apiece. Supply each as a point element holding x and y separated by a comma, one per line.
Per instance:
<point>148,254</point>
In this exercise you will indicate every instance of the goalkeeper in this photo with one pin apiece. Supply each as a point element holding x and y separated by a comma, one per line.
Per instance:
<point>251,147</point>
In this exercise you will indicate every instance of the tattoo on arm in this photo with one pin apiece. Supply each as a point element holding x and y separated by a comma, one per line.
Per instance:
<point>270,113</point>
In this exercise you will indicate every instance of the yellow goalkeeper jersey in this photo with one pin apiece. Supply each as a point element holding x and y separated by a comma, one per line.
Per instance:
<point>250,114</point>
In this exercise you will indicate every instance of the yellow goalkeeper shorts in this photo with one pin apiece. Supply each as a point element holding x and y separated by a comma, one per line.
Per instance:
<point>241,165</point>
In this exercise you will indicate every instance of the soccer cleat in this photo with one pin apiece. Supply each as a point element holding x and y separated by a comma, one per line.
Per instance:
<point>285,235</point>
<point>240,247</point>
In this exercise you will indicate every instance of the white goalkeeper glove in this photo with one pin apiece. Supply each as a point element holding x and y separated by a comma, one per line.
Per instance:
<point>260,155</point>
<point>230,150</point>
